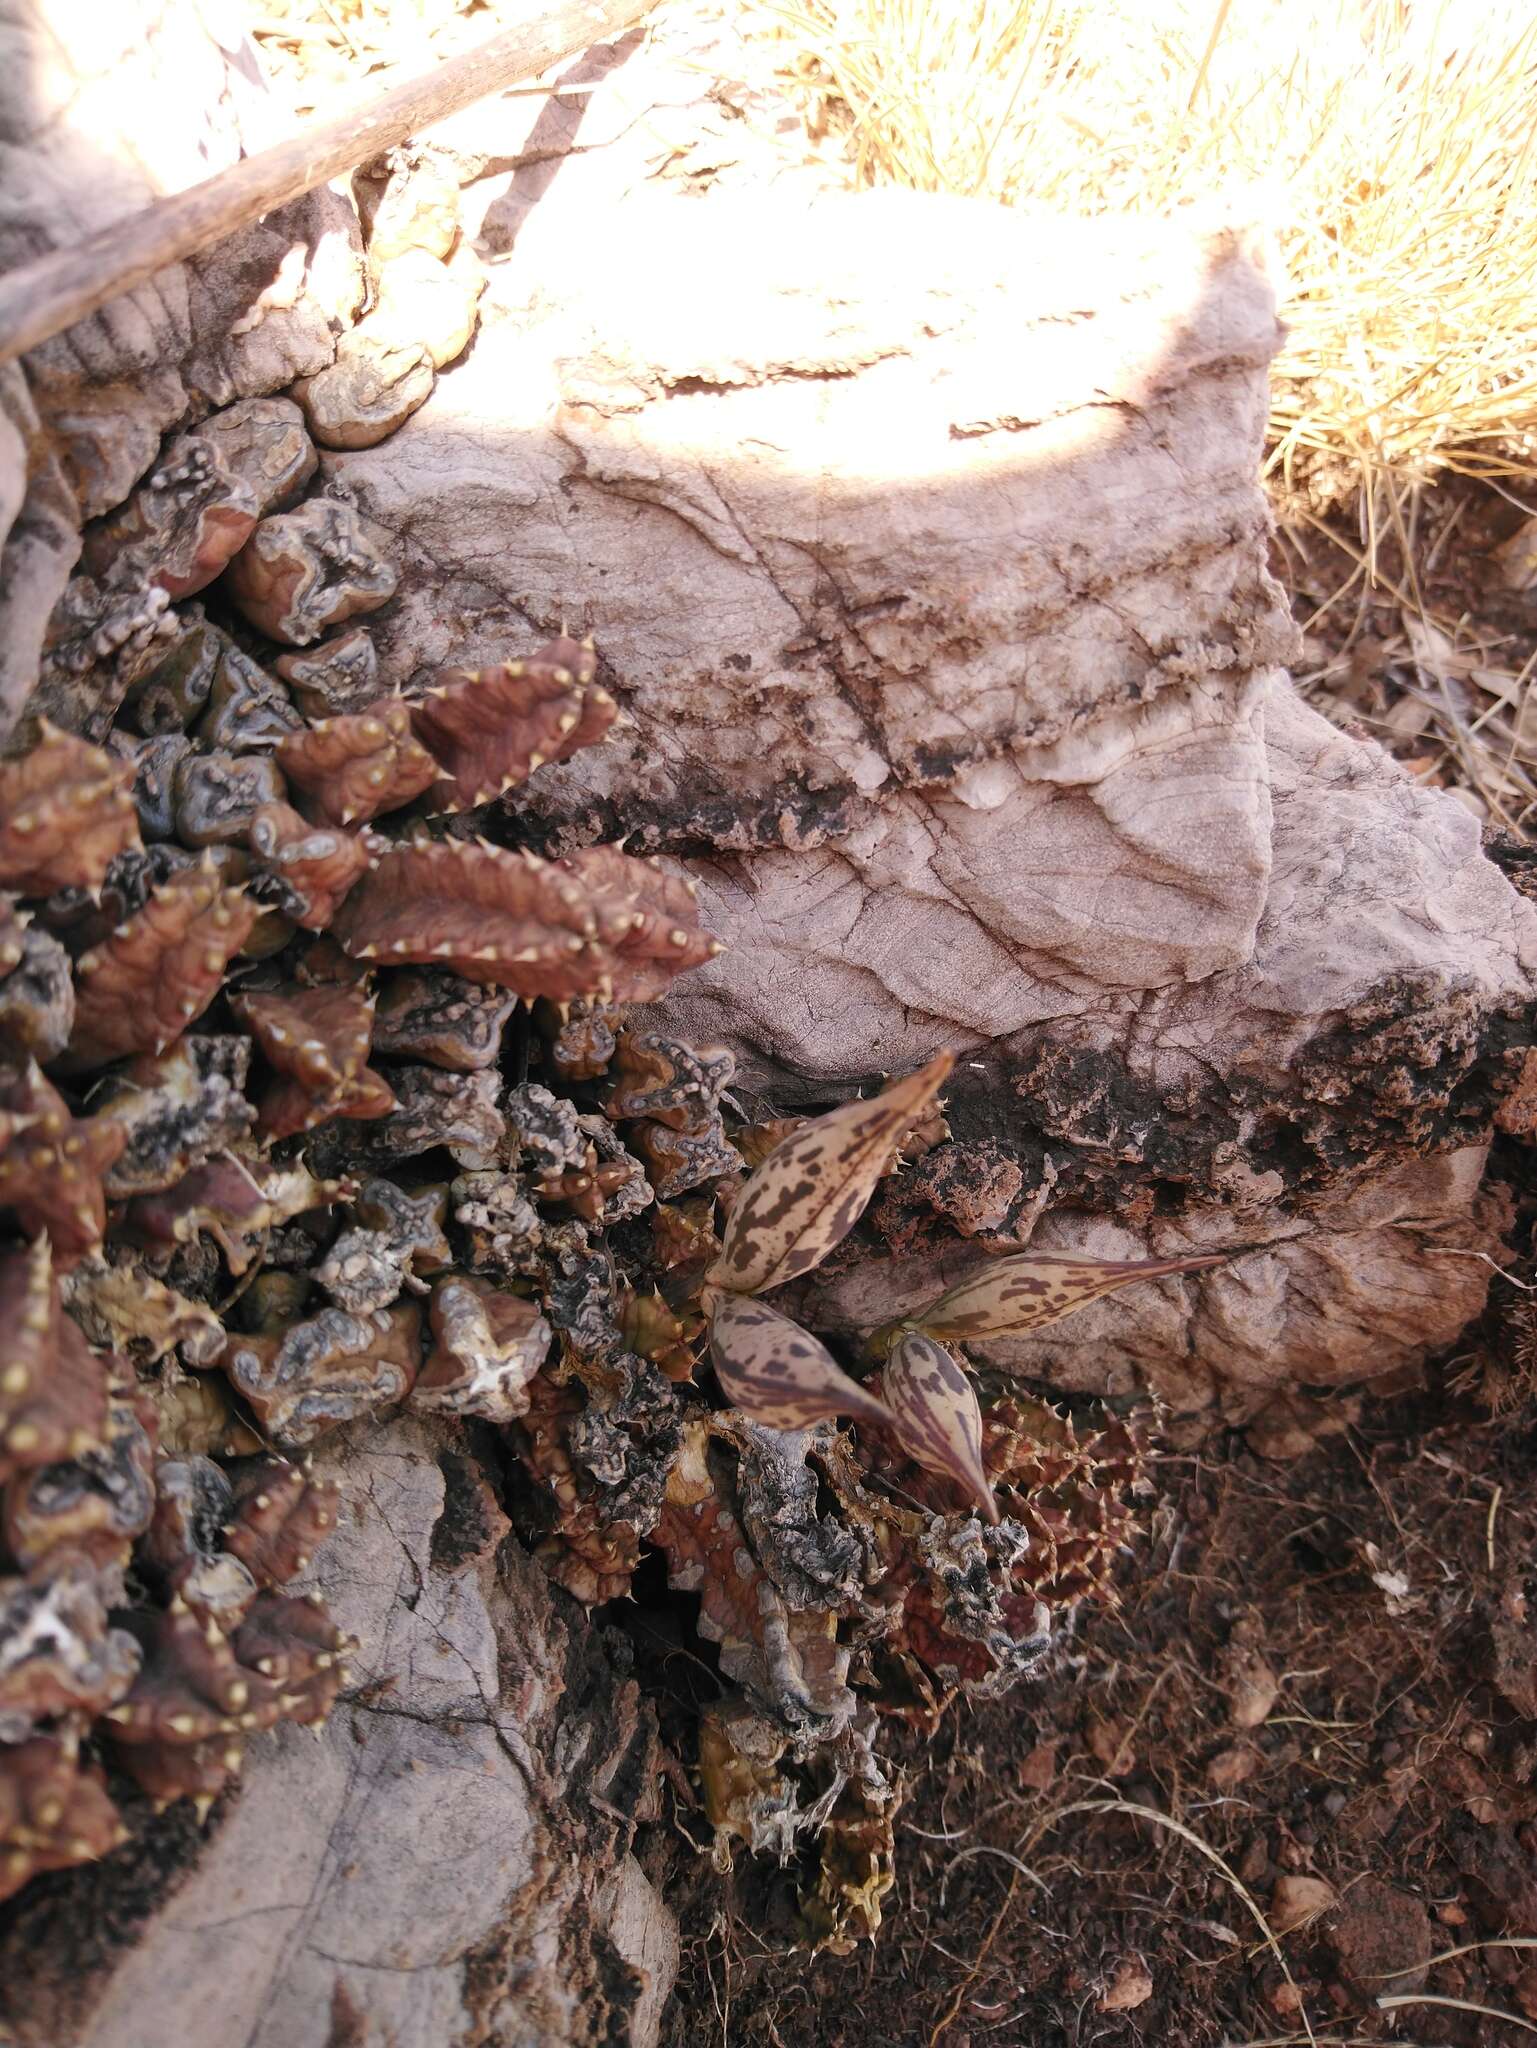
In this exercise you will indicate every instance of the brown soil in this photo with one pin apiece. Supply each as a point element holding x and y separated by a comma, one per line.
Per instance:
<point>1316,1703</point>
<point>1384,1585</point>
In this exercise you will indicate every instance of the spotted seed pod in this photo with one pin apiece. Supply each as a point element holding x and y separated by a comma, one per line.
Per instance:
<point>778,1373</point>
<point>1033,1288</point>
<point>935,1414</point>
<point>812,1189</point>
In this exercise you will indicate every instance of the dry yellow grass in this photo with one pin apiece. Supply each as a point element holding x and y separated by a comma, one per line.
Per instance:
<point>1390,147</point>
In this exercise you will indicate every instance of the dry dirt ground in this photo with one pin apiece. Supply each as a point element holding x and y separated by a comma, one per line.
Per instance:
<point>1291,1774</point>
<point>1438,661</point>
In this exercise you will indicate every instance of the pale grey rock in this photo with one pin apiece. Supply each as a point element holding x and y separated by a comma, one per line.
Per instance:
<point>39,539</point>
<point>925,548</point>
<point>450,1861</point>
<point>898,472</point>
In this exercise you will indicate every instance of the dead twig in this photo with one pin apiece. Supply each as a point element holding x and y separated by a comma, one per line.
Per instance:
<point>42,298</point>
<point>1394,2001</point>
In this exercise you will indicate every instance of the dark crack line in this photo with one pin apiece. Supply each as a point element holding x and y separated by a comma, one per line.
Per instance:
<point>394,1969</point>
<point>235,1919</point>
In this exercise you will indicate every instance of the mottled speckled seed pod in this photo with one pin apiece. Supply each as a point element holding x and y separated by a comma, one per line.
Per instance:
<point>811,1190</point>
<point>778,1373</point>
<point>935,1414</point>
<point>1032,1288</point>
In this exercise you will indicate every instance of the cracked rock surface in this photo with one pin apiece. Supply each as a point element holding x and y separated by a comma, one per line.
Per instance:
<point>925,548</point>
<point>448,1861</point>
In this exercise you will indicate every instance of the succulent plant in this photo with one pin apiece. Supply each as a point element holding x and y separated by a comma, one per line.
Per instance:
<point>937,1543</point>
<point>272,1163</point>
<point>202,1270</point>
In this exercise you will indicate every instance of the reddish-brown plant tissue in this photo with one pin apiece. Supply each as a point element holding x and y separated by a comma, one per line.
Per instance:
<point>55,1811</point>
<point>442,1019</point>
<point>191,1158</point>
<point>666,1082</point>
<point>52,1164</point>
<point>53,1389</point>
<point>96,1504</point>
<point>601,924</point>
<point>788,1656</point>
<point>63,1658</point>
<point>183,524</point>
<point>181,1730</point>
<point>280,1516</point>
<point>222,1197</point>
<point>317,1040</point>
<point>646,922</point>
<point>487,1346</point>
<point>176,1108</point>
<point>1074,1493</point>
<point>490,728</point>
<point>306,570</point>
<point>141,987</point>
<point>304,1206</point>
<point>329,1369</point>
<point>127,1310</point>
<point>588,1552</point>
<point>293,1642</point>
<point>353,767</point>
<point>65,814</point>
<point>312,866</point>
<point>488,914</point>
